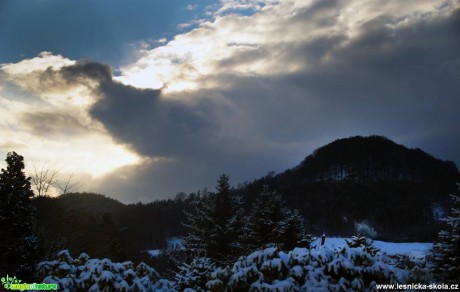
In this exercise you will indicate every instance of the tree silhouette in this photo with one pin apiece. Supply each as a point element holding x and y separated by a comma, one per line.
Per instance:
<point>446,251</point>
<point>18,243</point>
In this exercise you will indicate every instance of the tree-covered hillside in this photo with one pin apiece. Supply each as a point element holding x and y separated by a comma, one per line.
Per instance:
<point>399,191</point>
<point>345,186</point>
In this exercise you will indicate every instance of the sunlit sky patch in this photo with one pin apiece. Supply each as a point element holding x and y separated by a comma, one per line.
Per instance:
<point>53,125</point>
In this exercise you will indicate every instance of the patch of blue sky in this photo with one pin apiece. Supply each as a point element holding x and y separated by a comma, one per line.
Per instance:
<point>104,30</point>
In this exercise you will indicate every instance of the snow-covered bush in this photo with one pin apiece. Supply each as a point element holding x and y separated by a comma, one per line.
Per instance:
<point>420,269</point>
<point>86,274</point>
<point>196,274</point>
<point>346,269</point>
<point>355,266</point>
<point>364,243</point>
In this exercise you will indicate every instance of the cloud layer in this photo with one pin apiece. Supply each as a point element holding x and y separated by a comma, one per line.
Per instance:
<point>253,88</point>
<point>45,116</point>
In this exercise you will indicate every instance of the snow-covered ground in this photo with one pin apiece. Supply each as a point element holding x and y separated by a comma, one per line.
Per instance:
<point>415,250</point>
<point>406,248</point>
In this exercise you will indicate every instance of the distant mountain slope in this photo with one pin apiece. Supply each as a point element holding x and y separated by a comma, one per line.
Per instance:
<point>90,202</point>
<point>374,158</point>
<point>397,190</point>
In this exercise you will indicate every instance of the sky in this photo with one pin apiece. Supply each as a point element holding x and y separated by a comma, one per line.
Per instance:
<point>144,99</point>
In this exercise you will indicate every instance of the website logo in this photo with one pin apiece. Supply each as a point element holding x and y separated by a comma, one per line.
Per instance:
<point>13,283</point>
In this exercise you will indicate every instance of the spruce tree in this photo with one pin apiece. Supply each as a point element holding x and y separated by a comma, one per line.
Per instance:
<point>227,223</point>
<point>265,218</point>
<point>216,225</point>
<point>17,240</point>
<point>272,223</point>
<point>199,224</point>
<point>221,234</point>
<point>293,232</point>
<point>446,250</point>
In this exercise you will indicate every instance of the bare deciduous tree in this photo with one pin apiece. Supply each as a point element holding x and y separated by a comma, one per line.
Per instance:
<point>69,185</point>
<point>43,178</point>
<point>46,181</point>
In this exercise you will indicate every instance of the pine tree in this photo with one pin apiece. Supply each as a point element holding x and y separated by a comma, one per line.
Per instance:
<point>18,243</point>
<point>265,218</point>
<point>111,246</point>
<point>293,232</point>
<point>446,251</point>
<point>199,224</point>
<point>221,233</point>
<point>239,227</point>
<point>195,275</point>
<point>216,225</point>
<point>272,223</point>
<point>228,223</point>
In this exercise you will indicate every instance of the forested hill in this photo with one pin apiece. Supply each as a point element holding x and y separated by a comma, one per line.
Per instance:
<point>104,227</point>
<point>358,181</point>
<point>398,191</point>
<point>374,158</point>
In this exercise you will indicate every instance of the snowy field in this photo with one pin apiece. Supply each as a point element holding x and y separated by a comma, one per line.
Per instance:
<point>415,250</point>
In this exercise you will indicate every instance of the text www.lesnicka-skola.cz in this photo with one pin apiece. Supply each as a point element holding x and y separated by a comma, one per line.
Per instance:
<point>419,286</point>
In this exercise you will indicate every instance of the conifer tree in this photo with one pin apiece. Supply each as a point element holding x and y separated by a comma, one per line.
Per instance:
<point>216,225</point>
<point>221,234</point>
<point>446,251</point>
<point>18,243</point>
<point>199,224</point>
<point>228,223</point>
<point>293,232</point>
<point>272,223</point>
<point>195,275</point>
<point>109,238</point>
<point>265,218</point>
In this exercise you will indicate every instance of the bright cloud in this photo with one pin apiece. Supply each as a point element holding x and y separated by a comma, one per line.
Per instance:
<point>53,124</point>
<point>41,63</point>
<point>266,43</point>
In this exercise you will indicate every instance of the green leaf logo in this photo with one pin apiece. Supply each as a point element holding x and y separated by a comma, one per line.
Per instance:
<point>6,282</point>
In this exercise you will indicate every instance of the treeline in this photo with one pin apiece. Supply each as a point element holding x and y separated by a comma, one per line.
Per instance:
<point>103,227</point>
<point>355,266</point>
<point>217,224</point>
<point>219,228</point>
<point>405,207</point>
<point>276,266</point>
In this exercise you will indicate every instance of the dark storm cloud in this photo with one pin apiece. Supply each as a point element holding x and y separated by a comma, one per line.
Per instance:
<point>401,82</point>
<point>153,126</point>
